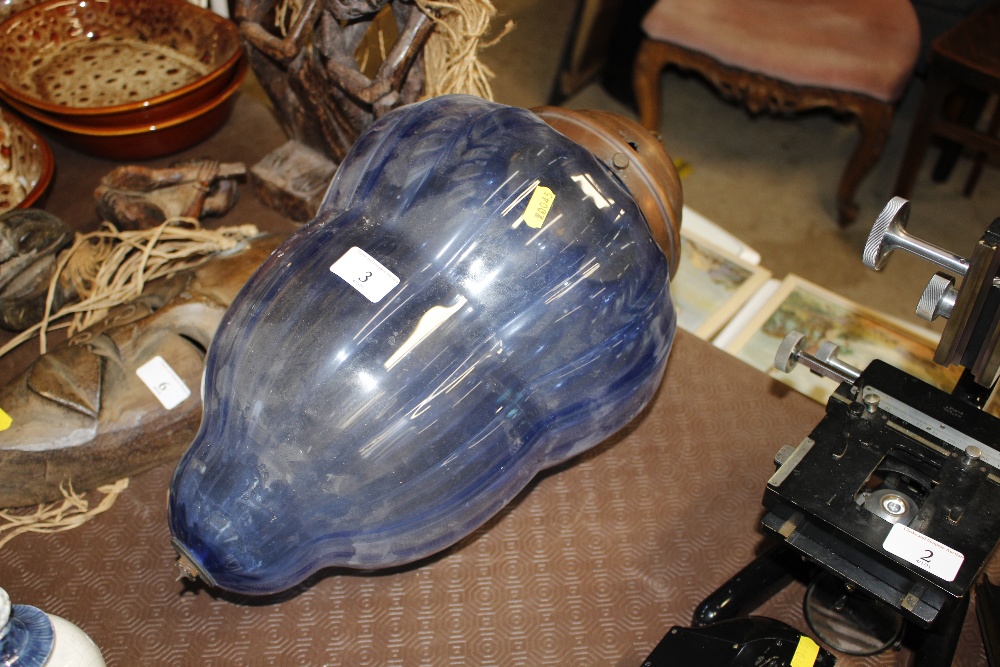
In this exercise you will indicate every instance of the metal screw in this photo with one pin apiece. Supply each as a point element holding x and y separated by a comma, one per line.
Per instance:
<point>619,161</point>
<point>871,403</point>
<point>972,455</point>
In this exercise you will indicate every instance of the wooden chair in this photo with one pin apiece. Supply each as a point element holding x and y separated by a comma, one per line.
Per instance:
<point>966,60</point>
<point>783,56</point>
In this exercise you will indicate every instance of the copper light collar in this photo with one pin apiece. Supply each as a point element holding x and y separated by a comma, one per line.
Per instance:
<point>638,159</point>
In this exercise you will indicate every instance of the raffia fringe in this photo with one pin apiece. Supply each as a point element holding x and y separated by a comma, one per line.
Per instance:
<point>451,55</point>
<point>74,510</point>
<point>110,267</point>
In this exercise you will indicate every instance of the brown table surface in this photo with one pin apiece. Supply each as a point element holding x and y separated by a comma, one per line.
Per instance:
<point>591,565</point>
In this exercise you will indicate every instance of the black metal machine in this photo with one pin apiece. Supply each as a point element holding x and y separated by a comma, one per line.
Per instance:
<point>894,497</point>
<point>754,641</point>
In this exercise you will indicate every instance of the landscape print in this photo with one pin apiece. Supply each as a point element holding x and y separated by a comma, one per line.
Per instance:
<point>862,334</point>
<point>710,286</point>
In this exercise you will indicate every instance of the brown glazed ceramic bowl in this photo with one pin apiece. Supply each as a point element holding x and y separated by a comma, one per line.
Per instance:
<point>26,163</point>
<point>145,141</point>
<point>116,63</point>
<point>8,7</point>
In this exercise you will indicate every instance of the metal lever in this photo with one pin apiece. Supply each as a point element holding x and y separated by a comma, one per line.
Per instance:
<point>889,234</point>
<point>825,362</point>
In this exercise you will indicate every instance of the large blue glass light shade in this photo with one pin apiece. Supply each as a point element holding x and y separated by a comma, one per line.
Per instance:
<point>478,299</point>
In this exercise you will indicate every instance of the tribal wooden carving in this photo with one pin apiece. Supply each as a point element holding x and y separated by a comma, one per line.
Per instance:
<point>309,66</point>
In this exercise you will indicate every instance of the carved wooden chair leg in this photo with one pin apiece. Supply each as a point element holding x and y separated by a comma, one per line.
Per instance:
<point>649,64</point>
<point>874,120</point>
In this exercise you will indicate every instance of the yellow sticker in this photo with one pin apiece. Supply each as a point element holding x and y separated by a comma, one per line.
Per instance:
<point>538,207</point>
<point>5,421</point>
<point>805,653</point>
<point>683,168</point>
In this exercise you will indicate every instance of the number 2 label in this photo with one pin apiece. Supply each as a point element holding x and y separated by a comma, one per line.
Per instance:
<point>924,552</point>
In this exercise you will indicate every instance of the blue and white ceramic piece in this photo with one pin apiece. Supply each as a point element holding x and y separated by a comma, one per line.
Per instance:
<point>479,299</point>
<point>31,638</point>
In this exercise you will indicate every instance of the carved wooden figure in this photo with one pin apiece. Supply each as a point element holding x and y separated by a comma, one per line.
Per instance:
<point>30,240</point>
<point>138,197</point>
<point>321,95</point>
<point>80,415</point>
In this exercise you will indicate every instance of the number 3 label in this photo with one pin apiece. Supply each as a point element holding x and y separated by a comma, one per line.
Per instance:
<point>924,552</point>
<point>365,274</point>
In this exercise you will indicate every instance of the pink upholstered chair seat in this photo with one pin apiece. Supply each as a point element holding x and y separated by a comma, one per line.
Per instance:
<point>861,46</point>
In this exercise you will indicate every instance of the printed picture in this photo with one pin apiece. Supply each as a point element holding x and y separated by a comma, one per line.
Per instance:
<point>710,286</point>
<point>862,334</point>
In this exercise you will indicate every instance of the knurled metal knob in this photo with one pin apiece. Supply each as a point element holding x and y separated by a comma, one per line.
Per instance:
<point>938,298</point>
<point>787,356</point>
<point>825,362</point>
<point>889,234</point>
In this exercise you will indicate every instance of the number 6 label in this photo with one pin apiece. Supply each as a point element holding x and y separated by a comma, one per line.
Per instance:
<point>365,274</point>
<point>163,381</point>
<point>924,552</point>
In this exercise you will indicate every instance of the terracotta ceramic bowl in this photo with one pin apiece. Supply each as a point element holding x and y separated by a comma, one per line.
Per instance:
<point>116,63</point>
<point>145,141</point>
<point>26,163</point>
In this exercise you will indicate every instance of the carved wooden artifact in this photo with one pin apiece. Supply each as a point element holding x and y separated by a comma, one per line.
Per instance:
<point>30,240</point>
<point>309,70</point>
<point>80,415</point>
<point>330,68</point>
<point>138,197</point>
